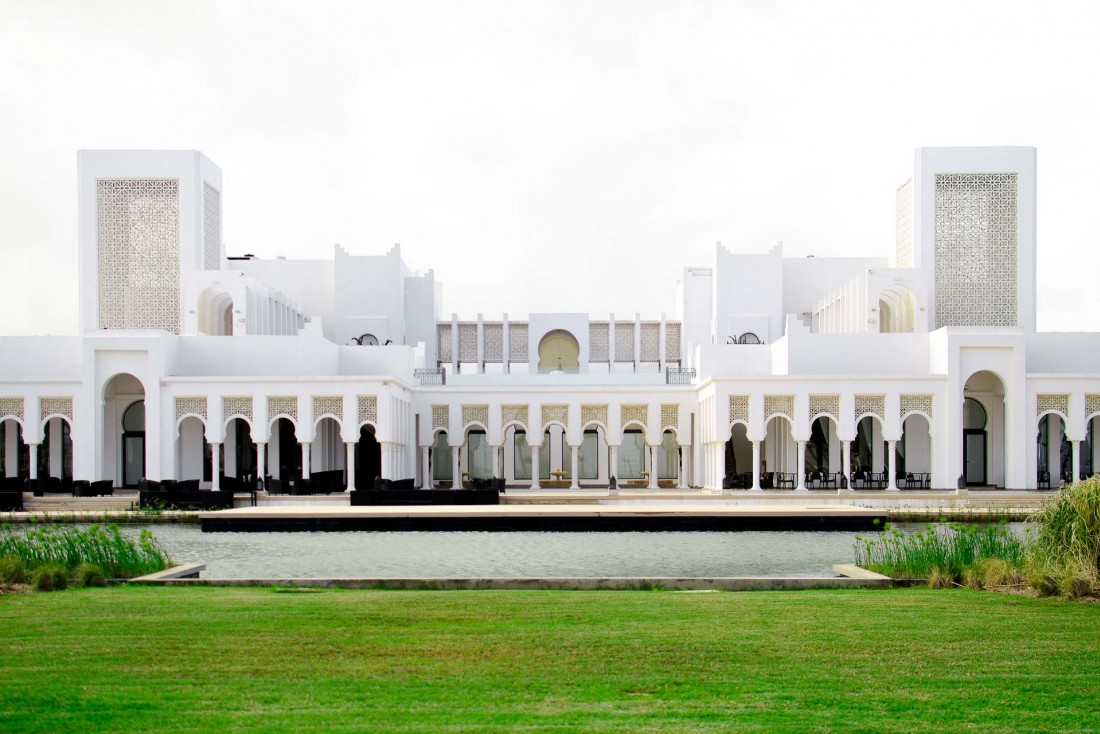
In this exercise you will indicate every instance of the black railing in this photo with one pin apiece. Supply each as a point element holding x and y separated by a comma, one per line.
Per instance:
<point>679,375</point>
<point>431,376</point>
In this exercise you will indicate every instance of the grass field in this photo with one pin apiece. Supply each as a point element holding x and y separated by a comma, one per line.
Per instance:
<point>208,659</point>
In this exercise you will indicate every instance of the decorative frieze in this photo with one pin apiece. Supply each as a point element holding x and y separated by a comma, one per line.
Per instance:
<point>594,413</point>
<point>237,407</point>
<point>739,408</point>
<point>56,406</point>
<point>475,414</point>
<point>555,414</point>
<point>778,405</point>
<point>1045,403</point>
<point>824,404</point>
<point>916,404</point>
<point>282,405</point>
<point>871,405</point>
<point>638,413</point>
<point>328,405</point>
<point>513,413</point>
<point>11,407</point>
<point>186,405</point>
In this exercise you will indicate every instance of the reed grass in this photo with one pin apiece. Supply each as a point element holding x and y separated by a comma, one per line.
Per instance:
<point>948,553</point>
<point>74,549</point>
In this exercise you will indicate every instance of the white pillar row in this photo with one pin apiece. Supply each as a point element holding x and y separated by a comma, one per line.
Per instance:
<point>349,462</point>
<point>215,466</point>
<point>682,483</point>
<point>888,462</point>
<point>756,467</point>
<point>653,467</point>
<point>456,467</point>
<point>800,467</point>
<point>845,465</point>
<point>535,465</point>
<point>575,451</point>
<point>305,460</point>
<point>613,462</point>
<point>32,464</point>
<point>1075,449</point>
<point>425,468</point>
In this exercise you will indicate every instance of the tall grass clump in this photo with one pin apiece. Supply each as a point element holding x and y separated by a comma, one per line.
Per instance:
<point>945,554</point>
<point>77,550</point>
<point>1065,557</point>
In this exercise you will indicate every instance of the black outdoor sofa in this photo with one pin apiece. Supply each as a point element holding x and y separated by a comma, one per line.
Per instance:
<point>181,495</point>
<point>403,492</point>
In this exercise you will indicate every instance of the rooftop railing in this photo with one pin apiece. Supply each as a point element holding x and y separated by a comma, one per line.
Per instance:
<point>431,376</point>
<point>679,375</point>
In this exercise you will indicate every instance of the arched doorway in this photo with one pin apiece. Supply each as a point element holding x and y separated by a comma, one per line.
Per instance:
<point>284,454</point>
<point>441,461</point>
<point>1054,459</point>
<point>868,455</point>
<point>13,450</point>
<point>914,451</point>
<point>124,430</point>
<point>738,457</point>
<point>668,460</point>
<point>983,430</point>
<point>239,457</point>
<point>193,457</point>
<point>779,457</point>
<point>368,458</point>
<point>559,350</point>
<point>55,453</point>
<point>632,452</point>
<point>215,312</point>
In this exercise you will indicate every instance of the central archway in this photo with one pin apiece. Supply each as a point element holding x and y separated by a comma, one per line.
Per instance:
<point>124,430</point>
<point>559,350</point>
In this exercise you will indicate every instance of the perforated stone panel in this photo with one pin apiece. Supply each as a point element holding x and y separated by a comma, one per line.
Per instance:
<point>237,406</point>
<point>509,413</point>
<point>494,342</point>
<point>559,413</point>
<point>672,341</point>
<point>670,415</point>
<point>475,414</point>
<point>1092,404</point>
<point>368,409</point>
<point>328,405</point>
<point>624,341</point>
<point>517,342</point>
<point>822,404</point>
<point>282,405</point>
<point>139,254</point>
<point>597,341</point>
<point>596,413</point>
<point>190,405</point>
<point>11,407</point>
<point>778,405</point>
<point>650,341</point>
<point>870,405</point>
<point>916,403</point>
<point>739,408</point>
<point>56,406</point>
<point>211,227</point>
<point>638,413</point>
<point>1044,403</point>
<point>976,249</point>
<point>441,416</point>
<point>467,341</point>
<point>443,342</point>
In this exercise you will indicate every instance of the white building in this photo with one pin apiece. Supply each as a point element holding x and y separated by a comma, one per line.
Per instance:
<point>775,372</point>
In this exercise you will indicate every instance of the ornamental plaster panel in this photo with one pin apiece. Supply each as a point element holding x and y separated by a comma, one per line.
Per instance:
<point>871,405</point>
<point>443,342</point>
<point>239,406</point>
<point>915,404</point>
<point>368,409</point>
<point>624,341</point>
<point>510,413</point>
<point>282,405</point>
<point>637,413</point>
<point>1044,403</point>
<point>475,414</point>
<point>190,405</point>
<point>1092,404</point>
<point>494,341</point>
<point>211,227</point>
<point>822,404</point>
<point>328,405</point>
<point>467,341</point>
<point>596,413</point>
<point>650,341</point>
<point>739,408</point>
<point>558,413</point>
<point>441,417</point>
<point>672,342</point>
<point>598,341</point>
<point>517,342</point>
<point>56,406</point>
<point>670,415</point>
<point>11,407</point>
<point>778,405</point>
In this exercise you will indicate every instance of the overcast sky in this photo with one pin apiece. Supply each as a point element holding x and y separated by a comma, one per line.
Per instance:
<point>546,156</point>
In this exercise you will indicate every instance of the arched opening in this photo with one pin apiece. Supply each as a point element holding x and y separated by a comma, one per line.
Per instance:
<point>868,455</point>
<point>13,451</point>
<point>984,430</point>
<point>124,430</point>
<point>239,457</point>
<point>284,452</point>
<point>193,454</point>
<point>55,453</point>
<point>592,463</point>
<point>1055,456</point>
<point>885,317</point>
<point>1089,449</point>
<point>668,460</point>
<point>914,453</point>
<point>739,466</point>
<point>440,457</point>
<point>215,312</point>
<point>779,455</point>
<point>327,455</point>
<point>559,350</point>
<point>632,464</point>
<point>897,310</point>
<point>822,459</point>
<point>477,456</point>
<point>749,338</point>
<point>368,458</point>
<point>517,464</point>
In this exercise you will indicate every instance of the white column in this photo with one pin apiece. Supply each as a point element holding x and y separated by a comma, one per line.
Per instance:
<point>215,466</point>
<point>432,458</point>
<point>306,469</point>
<point>888,465</point>
<point>32,454</point>
<point>613,468</point>
<point>682,483</point>
<point>1075,448</point>
<point>498,458</point>
<point>575,451</point>
<point>425,468</point>
<point>349,462</point>
<point>800,467</point>
<point>456,467</point>
<point>756,466</point>
<point>652,466</point>
<point>845,465</point>
<point>535,466</point>
<point>261,463</point>
<point>11,450</point>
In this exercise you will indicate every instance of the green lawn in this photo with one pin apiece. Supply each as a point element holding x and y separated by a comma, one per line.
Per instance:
<point>187,659</point>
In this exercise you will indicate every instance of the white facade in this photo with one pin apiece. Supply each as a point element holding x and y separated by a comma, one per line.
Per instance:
<point>775,371</point>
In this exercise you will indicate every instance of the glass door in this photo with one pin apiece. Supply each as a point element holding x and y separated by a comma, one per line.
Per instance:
<point>133,458</point>
<point>974,457</point>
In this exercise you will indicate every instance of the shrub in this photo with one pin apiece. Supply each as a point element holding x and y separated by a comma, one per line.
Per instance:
<point>1066,555</point>
<point>949,549</point>
<point>998,572</point>
<point>13,571</point>
<point>51,577</point>
<point>939,578</point>
<point>90,574</point>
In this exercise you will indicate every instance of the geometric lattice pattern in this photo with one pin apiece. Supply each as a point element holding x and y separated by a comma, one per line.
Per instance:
<point>494,342</point>
<point>739,408</point>
<point>12,407</point>
<point>871,405</point>
<point>282,405</point>
<point>443,342</point>
<point>555,413</point>
<point>778,405</point>
<point>441,416</point>
<point>650,341</point>
<point>139,254</point>
<point>670,415</point>
<point>328,405</point>
<point>467,341</point>
<point>1092,404</point>
<point>56,406</point>
<point>517,342</point>
<point>916,404</point>
<point>672,342</point>
<point>190,406</point>
<point>240,406</point>
<point>475,414</point>
<point>624,341</point>
<point>516,413</point>
<point>597,413</point>
<point>597,341</point>
<point>822,404</point>
<point>976,249</point>
<point>637,413</point>
<point>1046,403</point>
<point>368,409</point>
<point>211,227</point>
